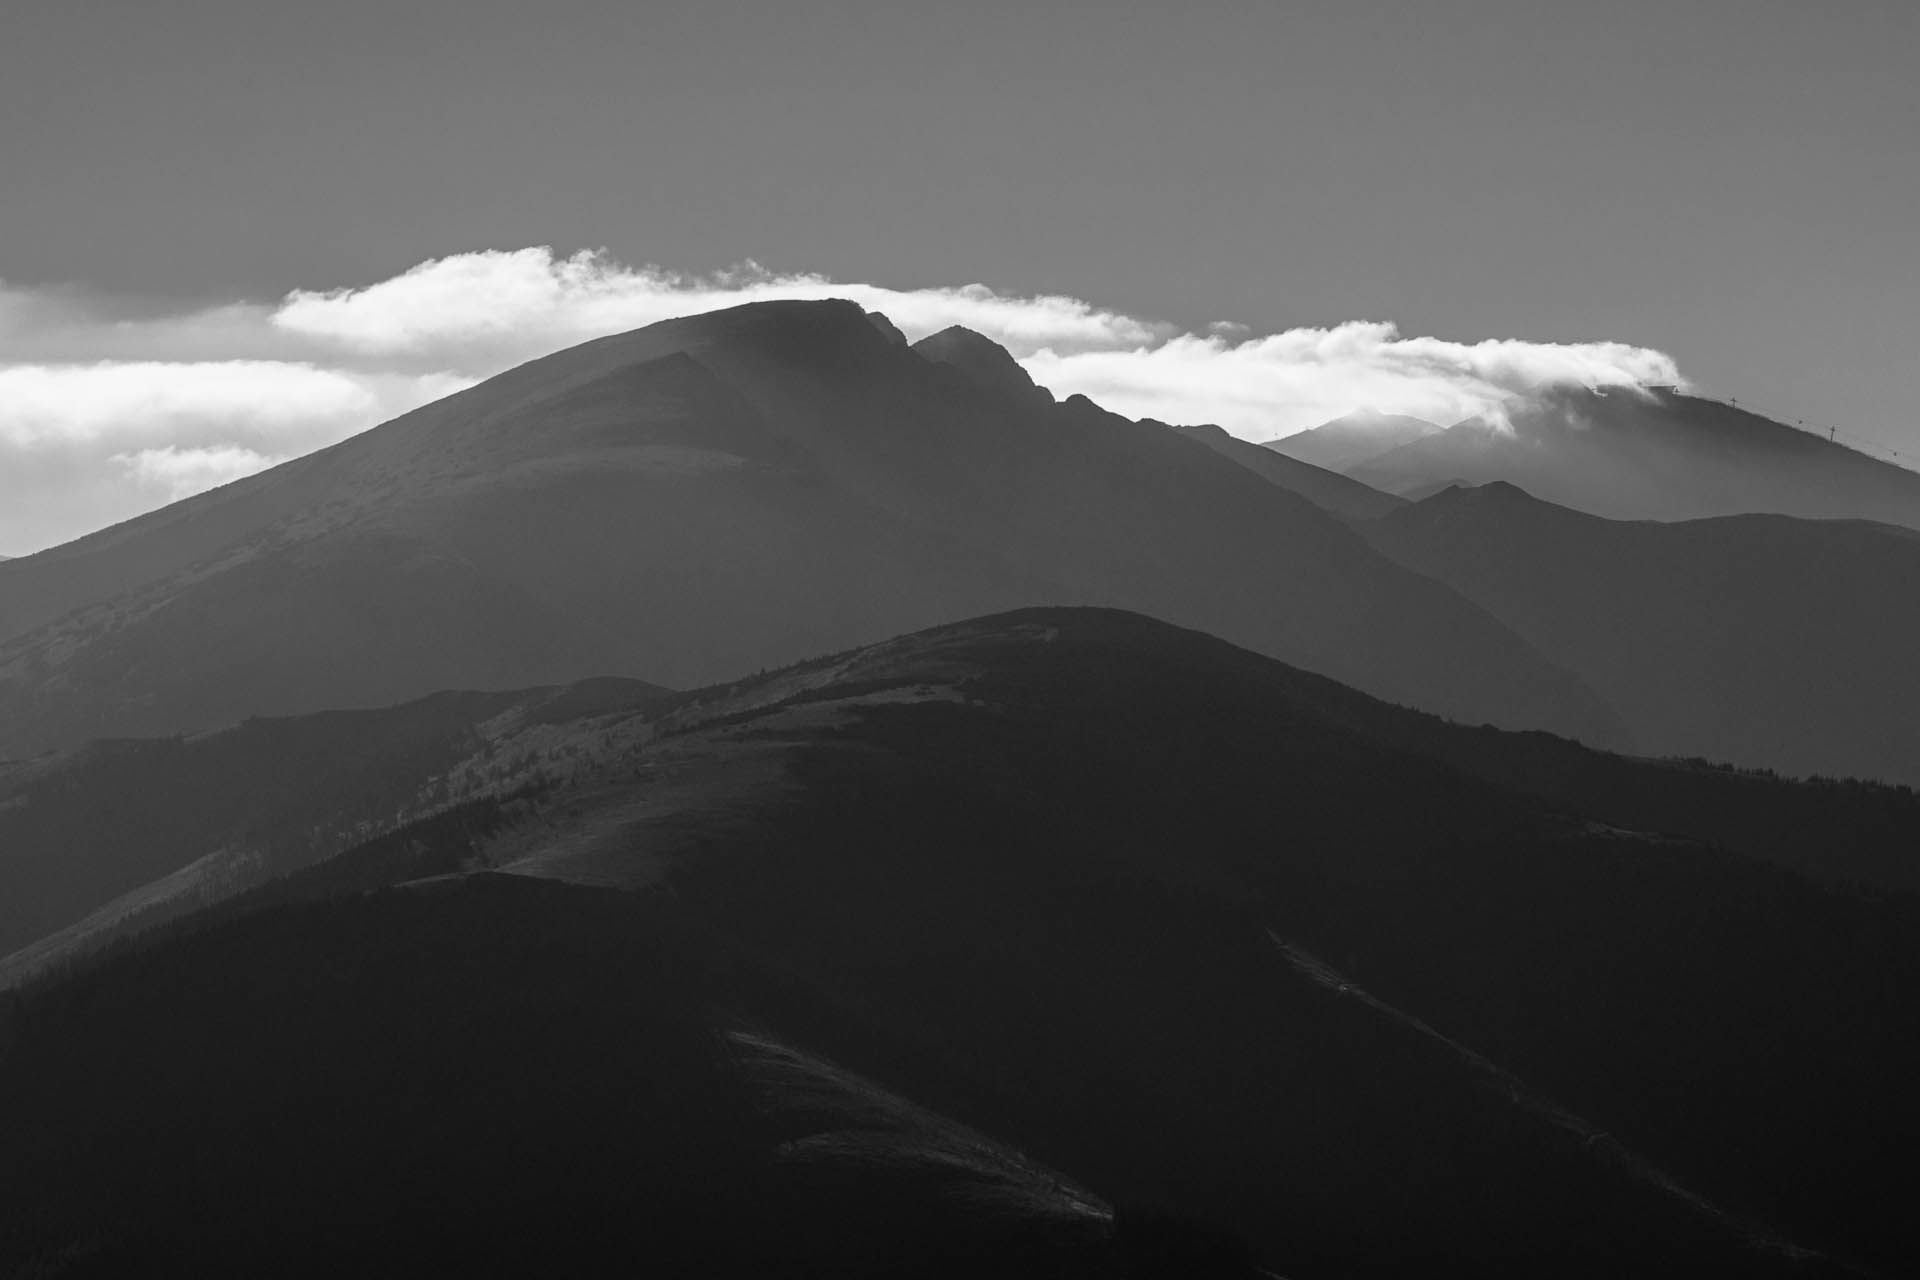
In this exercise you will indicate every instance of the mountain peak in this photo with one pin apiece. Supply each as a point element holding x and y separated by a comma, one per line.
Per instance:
<point>788,329</point>
<point>1206,431</point>
<point>1353,438</point>
<point>1490,491</point>
<point>988,364</point>
<point>1651,454</point>
<point>888,329</point>
<point>1375,420</point>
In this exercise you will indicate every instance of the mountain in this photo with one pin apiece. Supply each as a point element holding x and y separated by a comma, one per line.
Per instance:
<point>197,820</point>
<point>1656,454</point>
<point>986,363</point>
<point>1062,942</point>
<point>1330,490</point>
<point>121,835</point>
<point>1347,441</point>
<point>510,1079</point>
<point>699,499</point>
<point>1761,640</point>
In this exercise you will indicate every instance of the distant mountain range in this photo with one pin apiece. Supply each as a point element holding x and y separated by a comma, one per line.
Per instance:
<point>700,499</point>
<point>1327,489</point>
<point>1759,639</point>
<point>1056,943</point>
<point>1765,640</point>
<point>1654,454</point>
<point>1358,437</point>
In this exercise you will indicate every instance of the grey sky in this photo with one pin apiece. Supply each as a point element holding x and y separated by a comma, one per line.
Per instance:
<point>1735,182</point>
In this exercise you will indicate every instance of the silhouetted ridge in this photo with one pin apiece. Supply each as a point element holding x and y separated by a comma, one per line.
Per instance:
<point>887,328</point>
<point>1352,439</point>
<point>805,328</point>
<point>1764,640</point>
<point>985,361</point>
<point>1502,493</point>
<point>1344,497</point>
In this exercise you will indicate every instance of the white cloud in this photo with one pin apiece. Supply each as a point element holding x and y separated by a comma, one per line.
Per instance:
<point>181,473</point>
<point>1269,386</point>
<point>532,301</point>
<point>76,402</point>
<point>119,437</point>
<point>486,310</point>
<point>148,401</point>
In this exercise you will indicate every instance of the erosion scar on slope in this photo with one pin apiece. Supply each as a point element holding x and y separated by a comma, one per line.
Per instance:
<point>1529,1099</point>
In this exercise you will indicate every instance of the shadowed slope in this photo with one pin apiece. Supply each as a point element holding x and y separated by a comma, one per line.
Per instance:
<point>984,362</point>
<point>504,1079</point>
<point>1029,842</point>
<point>1029,871</point>
<point>1761,640</point>
<point>1344,497</point>
<point>124,834</point>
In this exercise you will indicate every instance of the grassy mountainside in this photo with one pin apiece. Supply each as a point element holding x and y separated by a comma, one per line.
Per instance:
<point>1391,1006</point>
<point>129,832</point>
<point>508,1079</point>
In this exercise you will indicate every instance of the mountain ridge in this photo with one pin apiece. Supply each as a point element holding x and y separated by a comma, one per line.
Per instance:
<point>699,498</point>
<point>1765,640</point>
<point>1655,453</point>
<point>1340,494</point>
<point>1351,439</point>
<point>988,866</point>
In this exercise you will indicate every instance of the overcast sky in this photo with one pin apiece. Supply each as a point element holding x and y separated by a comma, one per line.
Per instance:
<point>1187,211</point>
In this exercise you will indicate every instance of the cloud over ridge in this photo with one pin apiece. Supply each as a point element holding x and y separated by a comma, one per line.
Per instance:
<point>493,305</point>
<point>534,296</point>
<point>183,472</point>
<point>170,401</point>
<point>1262,387</point>
<point>78,402</point>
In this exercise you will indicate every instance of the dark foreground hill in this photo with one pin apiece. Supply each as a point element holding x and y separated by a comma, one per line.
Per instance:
<point>511,1079</point>
<point>700,499</point>
<point>1656,454</point>
<point>1762,640</point>
<point>973,935</point>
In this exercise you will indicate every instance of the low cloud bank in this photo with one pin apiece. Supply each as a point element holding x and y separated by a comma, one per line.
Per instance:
<point>526,302</point>
<point>180,473</point>
<point>1271,386</point>
<point>151,403</point>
